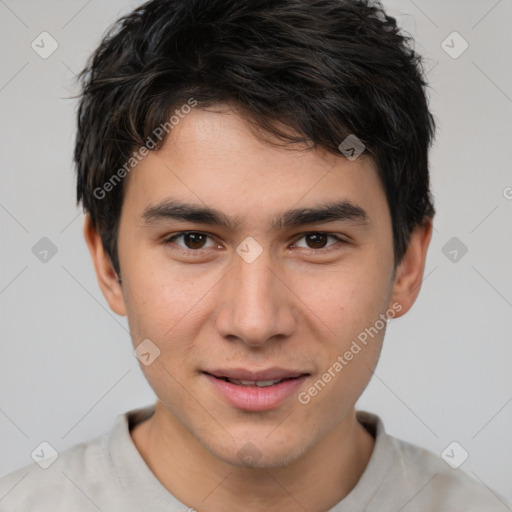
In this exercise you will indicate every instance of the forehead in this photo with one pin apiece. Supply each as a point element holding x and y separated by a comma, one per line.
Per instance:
<point>214,157</point>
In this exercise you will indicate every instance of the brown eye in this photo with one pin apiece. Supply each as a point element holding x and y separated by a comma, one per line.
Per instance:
<point>316,240</point>
<point>319,241</point>
<point>192,240</point>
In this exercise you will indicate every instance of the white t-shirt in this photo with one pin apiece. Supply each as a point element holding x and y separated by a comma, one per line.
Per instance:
<point>108,474</point>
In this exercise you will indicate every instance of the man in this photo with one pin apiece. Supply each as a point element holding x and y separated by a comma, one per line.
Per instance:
<point>255,180</point>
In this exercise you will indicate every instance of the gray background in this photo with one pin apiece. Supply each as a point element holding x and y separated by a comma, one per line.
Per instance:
<point>66,365</point>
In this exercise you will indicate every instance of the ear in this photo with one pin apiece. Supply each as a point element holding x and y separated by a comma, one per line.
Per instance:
<point>409,274</point>
<point>105,274</point>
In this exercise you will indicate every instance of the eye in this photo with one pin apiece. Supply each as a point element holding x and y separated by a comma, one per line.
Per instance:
<point>318,240</point>
<point>193,240</point>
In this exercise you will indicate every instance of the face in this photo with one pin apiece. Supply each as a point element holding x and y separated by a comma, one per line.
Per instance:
<point>264,291</point>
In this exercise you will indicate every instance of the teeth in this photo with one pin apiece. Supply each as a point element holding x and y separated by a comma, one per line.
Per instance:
<point>259,383</point>
<point>265,383</point>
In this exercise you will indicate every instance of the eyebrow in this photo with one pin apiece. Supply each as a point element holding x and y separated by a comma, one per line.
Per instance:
<point>171,209</point>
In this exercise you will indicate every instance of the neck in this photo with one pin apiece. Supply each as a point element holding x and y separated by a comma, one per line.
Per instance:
<point>198,479</point>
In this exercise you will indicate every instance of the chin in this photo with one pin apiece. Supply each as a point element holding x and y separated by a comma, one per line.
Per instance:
<point>260,454</point>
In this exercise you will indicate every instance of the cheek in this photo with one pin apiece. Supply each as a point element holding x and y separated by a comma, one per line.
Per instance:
<point>347,368</point>
<point>169,308</point>
<point>164,310</point>
<point>344,301</point>
<point>161,297</point>
<point>346,306</point>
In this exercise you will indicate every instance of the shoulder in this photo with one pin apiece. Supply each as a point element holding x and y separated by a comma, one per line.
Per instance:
<point>79,479</point>
<point>431,484</point>
<point>426,482</point>
<point>443,487</point>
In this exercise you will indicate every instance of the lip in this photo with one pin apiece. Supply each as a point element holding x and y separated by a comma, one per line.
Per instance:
<point>254,398</point>
<point>244,374</point>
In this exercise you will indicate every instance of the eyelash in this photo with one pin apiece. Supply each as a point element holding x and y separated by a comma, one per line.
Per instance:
<point>171,240</point>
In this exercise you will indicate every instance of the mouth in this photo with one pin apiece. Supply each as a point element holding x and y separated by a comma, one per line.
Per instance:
<point>255,391</point>
<point>251,383</point>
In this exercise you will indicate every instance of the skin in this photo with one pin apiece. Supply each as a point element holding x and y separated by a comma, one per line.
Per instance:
<point>297,306</point>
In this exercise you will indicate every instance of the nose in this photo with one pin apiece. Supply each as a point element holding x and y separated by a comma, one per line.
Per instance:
<point>255,303</point>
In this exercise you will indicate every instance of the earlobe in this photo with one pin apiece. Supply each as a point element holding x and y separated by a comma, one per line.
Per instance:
<point>106,275</point>
<point>409,274</point>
